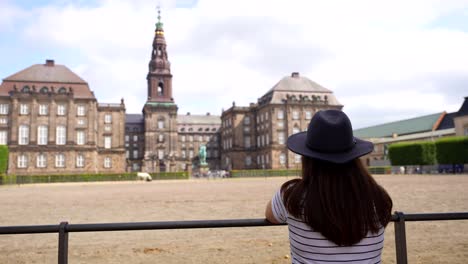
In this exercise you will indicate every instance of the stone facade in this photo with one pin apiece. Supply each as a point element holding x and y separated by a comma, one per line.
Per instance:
<point>254,137</point>
<point>52,124</point>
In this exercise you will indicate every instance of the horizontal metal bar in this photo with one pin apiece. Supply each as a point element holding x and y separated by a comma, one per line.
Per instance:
<point>5,230</point>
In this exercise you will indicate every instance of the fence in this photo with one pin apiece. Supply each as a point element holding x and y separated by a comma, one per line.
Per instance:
<point>64,228</point>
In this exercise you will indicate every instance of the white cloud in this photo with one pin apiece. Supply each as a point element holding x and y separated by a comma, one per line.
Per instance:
<point>368,52</point>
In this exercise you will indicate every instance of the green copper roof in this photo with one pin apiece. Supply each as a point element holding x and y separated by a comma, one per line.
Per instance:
<point>403,127</point>
<point>159,24</point>
<point>160,104</point>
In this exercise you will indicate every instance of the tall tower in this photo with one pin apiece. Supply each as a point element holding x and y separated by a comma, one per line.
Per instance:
<point>159,76</point>
<point>160,111</point>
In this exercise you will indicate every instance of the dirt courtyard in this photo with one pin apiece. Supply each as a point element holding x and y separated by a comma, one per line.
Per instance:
<point>428,242</point>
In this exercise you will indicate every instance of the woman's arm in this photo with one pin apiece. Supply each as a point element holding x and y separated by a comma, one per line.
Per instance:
<point>269,214</point>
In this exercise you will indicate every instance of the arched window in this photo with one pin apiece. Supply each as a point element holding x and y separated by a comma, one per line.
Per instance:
<point>159,51</point>
<point>26,89</point>
<point>160,88</point>
<point>44,90</point>
<point>62,90</point>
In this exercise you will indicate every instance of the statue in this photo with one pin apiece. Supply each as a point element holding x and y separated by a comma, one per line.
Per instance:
<point>202,155</point>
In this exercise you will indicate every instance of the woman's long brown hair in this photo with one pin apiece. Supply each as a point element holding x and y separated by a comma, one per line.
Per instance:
<point>341,201</point>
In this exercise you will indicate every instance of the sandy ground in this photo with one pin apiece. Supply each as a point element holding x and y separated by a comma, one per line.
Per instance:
<point>428,242</point>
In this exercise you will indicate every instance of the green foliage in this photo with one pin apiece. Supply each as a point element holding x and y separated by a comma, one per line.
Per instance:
<point>24,179</point>
<point>264,173</point>
<point>412,153</point>
<point>452,150</point>
<point>181,175</point>
<point>3,158</point>
<point>380,169</point>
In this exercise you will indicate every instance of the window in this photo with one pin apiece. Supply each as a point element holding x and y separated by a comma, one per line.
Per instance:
<point>246,129</point>
<point>280,124</point>
<point>160,138</point>
<point>267,159</point>
<point>160,124</point>
<point>23,137</point>
<point>247,142</point>
<point>297,158</point>
<point>282,158</point>
<point>191,154</point>
<point>44,90</point>
<point>3,120</point>
<point>42,135</point>
<point>79,161</point>
<point>107,162</point>
<point>258,141</point>
<point>3,137</point>
<point>61,109</point>
<point>216,153</point>
<point>308,115</point>
<point>59,160</point>
<point>246,120</point>
<point>81,122</point>
<point>160,154</point>
<point>295,130</point>
<point>62,90</point>
<point>266,115</point>
<point>200,138</point>
<point>3,109</point>
<point>127,137</point>
<point>61,135</point>
<point>182,138</point>
<point>207,138</point>
<point>24,109</point>
<point>248,160</point>
<point>22,161</point>
<point>281,138</point>
<point>267,139</point>
<point>25,89</point>
<point>107,118</point>
<point>466,131</point>
<point>107,142</point>
<point>135,154</point>
<point>43,109</point>
<point>280,114</point>
<point>41,161</point>
<point>183,154</point>
<point>135,138</point>
<point>80,110</point>
<point>80,137</point>
<point>190,138</point>
<point>295,115</point>
<point>127,154</point>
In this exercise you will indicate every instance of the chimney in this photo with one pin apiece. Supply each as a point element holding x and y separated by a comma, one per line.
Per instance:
<point>188,113</point>
<point>295,74</point>
<point>49,63</point>
<point>208,113</point>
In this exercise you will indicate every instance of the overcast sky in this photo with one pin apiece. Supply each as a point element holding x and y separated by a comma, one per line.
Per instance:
<point>384,60</point>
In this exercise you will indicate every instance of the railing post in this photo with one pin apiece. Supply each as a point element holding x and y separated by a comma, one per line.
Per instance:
<point>63,244</point>
<point>400,239</point>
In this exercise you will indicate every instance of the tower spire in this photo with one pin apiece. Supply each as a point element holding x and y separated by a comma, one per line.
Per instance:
<point>159,24</point>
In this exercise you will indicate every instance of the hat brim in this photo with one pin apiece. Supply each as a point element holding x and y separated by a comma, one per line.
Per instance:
<point>297,144</point>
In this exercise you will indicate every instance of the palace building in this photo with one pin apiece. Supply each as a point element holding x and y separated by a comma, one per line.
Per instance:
<point>53,124</point>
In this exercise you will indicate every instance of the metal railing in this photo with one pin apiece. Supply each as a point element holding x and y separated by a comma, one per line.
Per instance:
<point>64,228</point>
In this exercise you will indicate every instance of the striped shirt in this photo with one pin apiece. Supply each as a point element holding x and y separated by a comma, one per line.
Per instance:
<point>309,246</point>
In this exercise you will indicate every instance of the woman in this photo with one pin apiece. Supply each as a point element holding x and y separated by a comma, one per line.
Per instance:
<point>336,213</point>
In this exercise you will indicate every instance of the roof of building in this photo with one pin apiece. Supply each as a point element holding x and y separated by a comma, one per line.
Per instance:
<point>464,108</point>
<point>199,119</point>
<point>49,72</point>
<point>298,89</point>
<point>297,83</point>
<point>403,127</point>
<point>134,118</point>
<point>447,121</point>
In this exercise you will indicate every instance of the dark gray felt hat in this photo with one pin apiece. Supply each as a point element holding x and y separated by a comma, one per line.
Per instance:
<point>329,137</point>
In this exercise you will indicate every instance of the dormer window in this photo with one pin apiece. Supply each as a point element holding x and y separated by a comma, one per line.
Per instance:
<point>26,89</point>
<point>44,90</point>
<point>62,90</point>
